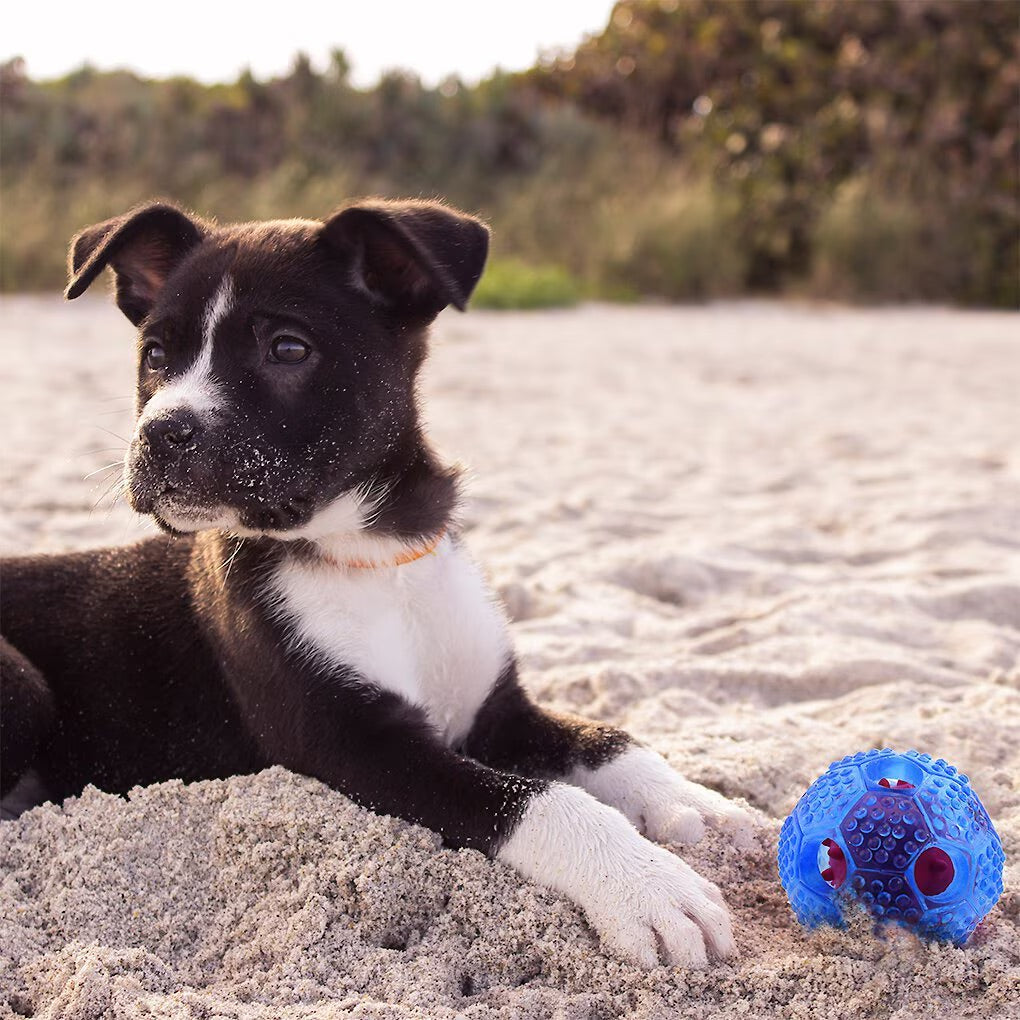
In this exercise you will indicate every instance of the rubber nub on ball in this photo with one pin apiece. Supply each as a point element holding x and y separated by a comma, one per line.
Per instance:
<point>895,784</point>
<point>835,873</point>
<point>934,871</point>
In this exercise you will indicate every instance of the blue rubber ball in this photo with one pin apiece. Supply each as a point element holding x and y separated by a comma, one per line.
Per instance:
<point>900,834</point>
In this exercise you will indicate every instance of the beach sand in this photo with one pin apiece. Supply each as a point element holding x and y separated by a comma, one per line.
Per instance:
<point>757,536</point>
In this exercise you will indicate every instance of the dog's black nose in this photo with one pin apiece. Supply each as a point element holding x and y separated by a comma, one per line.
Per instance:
<point>171,431</point>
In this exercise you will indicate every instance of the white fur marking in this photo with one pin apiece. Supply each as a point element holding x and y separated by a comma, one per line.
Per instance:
<point>428,631</point>
<point>339,529</point>
<point>222,303</point>
<point>659,802</point>
<point>195,389</point>
<point>639,897</point>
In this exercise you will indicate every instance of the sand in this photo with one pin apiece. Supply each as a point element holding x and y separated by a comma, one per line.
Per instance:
<point>757,536</point>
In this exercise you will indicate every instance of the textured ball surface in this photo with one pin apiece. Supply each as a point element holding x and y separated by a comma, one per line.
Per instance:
<point>900,834</point>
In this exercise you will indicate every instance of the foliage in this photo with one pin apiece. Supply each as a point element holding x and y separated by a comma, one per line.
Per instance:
<point>857,148</point>
<point>780,102</point>
<point>511,283</point>
<point>683,244</point>
<point>874,245</point>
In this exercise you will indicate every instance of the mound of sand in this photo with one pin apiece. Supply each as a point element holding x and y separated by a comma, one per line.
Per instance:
<point>758,537</point>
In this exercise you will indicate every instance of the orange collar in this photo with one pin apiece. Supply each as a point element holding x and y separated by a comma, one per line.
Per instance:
<point>405,557</point>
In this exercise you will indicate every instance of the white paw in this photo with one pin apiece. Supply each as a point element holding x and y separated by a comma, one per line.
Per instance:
<point>662,804</point>
<point>647,905</point>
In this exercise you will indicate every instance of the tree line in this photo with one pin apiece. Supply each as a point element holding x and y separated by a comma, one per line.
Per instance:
<point>861,149</point>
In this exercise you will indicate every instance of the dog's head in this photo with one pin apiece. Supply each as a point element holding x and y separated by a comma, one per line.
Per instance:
<point>277,361</point>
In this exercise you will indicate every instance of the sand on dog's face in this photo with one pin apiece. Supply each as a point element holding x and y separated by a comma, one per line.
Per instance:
<point>758,537</point>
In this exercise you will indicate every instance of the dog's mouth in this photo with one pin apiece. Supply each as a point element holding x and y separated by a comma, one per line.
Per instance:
<point>174,509</point>
<point>178,516</point>
<point>180,509</point>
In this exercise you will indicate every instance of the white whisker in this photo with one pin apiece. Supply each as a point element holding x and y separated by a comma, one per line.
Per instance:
<point>105,467</point>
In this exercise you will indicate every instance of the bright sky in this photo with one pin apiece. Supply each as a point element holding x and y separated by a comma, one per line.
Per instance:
<point>215,39</point>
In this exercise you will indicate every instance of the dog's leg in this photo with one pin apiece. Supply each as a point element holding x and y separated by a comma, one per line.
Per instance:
<point>597,855</point>
<point>380,751</point>
<point>26,714</point>
<point>512,733</point>
<point>647,904</point>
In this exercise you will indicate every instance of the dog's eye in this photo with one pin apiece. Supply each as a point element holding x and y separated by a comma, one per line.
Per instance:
<point>288,349</point>
<point>154,357</point>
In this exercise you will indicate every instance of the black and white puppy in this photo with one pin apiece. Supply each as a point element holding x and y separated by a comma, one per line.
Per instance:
<point>317,609</point>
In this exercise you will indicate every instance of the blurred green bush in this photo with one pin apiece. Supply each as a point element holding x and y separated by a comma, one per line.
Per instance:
<point>682,243</point>
<point>512,283</point>
<point>870,245</point>
<point>857,149</point>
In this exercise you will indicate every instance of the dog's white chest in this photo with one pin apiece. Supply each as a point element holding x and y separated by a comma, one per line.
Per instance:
<point>428,631</point>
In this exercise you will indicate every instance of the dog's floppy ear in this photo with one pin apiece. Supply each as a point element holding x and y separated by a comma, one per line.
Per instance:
<point>414,256</point>
<point>142,247</point>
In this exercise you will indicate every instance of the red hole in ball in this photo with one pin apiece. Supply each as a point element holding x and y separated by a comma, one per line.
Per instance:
<point>895,784</point>
<point>934,871</point>
<point>835,873</point>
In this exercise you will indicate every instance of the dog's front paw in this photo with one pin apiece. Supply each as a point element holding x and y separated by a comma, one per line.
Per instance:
<point>648,905</point>
<point>659,910</point>
<point>662,804</point>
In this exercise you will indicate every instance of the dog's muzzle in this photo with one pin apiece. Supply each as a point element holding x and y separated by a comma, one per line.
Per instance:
<point>169,460</point>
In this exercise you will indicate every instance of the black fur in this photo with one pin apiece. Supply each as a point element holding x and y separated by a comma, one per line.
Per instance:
<point>163,659</point>
<point>511,732</point>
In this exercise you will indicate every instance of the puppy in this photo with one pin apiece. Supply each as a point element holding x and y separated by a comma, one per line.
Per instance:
<point>317,609</point>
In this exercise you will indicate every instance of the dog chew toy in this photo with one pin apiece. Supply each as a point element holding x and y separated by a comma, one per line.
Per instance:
<point>901,835</point>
